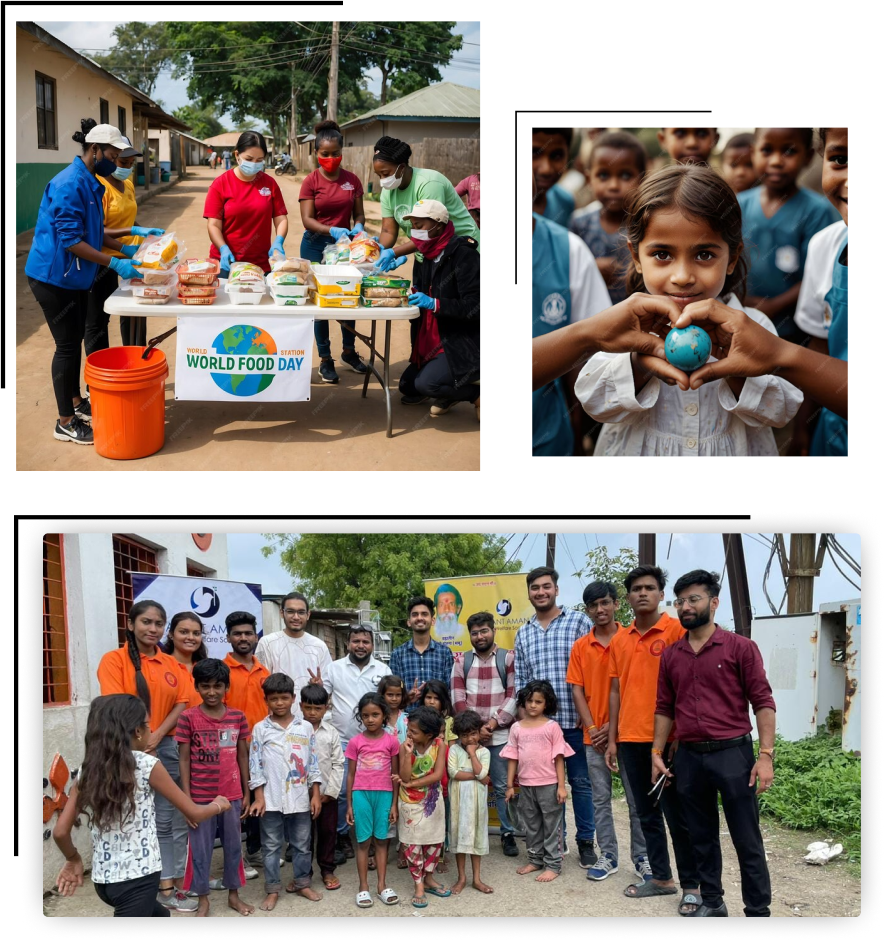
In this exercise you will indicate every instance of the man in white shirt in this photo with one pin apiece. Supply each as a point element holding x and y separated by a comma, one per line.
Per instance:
<point>301,656</point>
<point>347,681</point>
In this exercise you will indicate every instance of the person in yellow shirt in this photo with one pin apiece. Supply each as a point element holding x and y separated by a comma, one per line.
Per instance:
<point>119,208</point>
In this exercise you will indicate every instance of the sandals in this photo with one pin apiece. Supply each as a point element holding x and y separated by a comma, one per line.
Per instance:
<point>364,900</point>
<point>646,889</point>
<point>439,891</point>
<point>389,897</point>
<point>331,882</point>
<point>690,898</point>
<point>419,902</point>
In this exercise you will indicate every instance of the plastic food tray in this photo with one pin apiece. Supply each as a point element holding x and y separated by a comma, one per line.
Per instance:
<point>153,300</point>
<point>337,279</point>
<point>336,300</point>
<point>196,300</point>
<point>155,276</point>
<point>283,300</point>
<point>289,290</point>
<point>245,294</point>
<point>155,290</point>
<point>185,276</point>
<point>198,290</point>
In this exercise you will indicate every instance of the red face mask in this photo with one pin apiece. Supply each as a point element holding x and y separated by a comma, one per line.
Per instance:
<point>329,164</point>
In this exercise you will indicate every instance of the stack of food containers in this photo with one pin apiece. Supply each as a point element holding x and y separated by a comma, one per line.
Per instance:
<point>155,287</point>
<point>287,288</point>
<point>384,291</point>
<point>336,285</point>
<point>246,283</point>
<point>198,280</point>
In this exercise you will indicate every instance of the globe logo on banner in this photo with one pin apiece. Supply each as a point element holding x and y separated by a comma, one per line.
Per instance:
<point>205,602</point>
<point>257,346</point>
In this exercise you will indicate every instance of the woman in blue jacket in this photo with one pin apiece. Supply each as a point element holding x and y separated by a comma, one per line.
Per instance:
<point>64,259</point>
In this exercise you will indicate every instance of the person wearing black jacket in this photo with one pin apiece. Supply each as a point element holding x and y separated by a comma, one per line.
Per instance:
<point>444,363</point>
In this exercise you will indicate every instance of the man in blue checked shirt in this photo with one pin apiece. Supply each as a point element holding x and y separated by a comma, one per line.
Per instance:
<point>421,658</point>
<point>542,652</point>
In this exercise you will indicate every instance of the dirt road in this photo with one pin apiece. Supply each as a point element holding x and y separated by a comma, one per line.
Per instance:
<point>336,430</point>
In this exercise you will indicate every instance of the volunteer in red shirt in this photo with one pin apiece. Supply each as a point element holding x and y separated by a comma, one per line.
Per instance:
<point>330,197</point>
<point>243,205</point>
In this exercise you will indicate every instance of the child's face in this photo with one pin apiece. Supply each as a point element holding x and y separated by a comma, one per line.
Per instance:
<point>549,159</point>
<point>418,735</point>
<point>373,717</point>
<point>613,175</point>
<point>393,696</point>
<point>313,711</point>
<point>682,258</point>
<point>834,180</point>
<point>737,168</point>
<point>212,692</point>
<point>535,705</point>
<point>469,738</point>
<point>780,156</point>
<point>688,144</point>
<point>432,700</point>
<point>280,704</point>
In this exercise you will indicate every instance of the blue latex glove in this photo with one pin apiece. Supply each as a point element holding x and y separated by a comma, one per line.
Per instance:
<point>125,268</point>
<point>399,261</point>
<point>277,247</point>
<point>387,261</point>
<point>336,232</point>
<point>140,230</point>
<point>421,300</point>
<point>357,228</point>
<point>227,258</point>
<point>129,250</point>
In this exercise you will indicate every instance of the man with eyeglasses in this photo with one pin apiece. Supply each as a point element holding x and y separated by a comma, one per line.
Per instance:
<point>707,681</point>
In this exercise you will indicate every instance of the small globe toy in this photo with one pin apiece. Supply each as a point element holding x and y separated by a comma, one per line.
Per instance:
<point>687,348</point>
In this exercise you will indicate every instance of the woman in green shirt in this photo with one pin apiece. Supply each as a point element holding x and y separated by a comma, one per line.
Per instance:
<point>402,187</point>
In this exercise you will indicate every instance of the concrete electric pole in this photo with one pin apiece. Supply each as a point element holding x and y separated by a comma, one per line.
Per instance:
<point>333,76</point>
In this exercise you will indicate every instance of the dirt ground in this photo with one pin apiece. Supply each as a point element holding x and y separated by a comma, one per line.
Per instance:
<point>336,430</point>
<point>797,888</point>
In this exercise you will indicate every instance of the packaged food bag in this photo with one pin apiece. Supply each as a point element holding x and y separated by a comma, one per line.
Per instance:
<point>364,249</point>
<point>286,277</point>
<point>300,265</point>
<point>384,302</point>
<point>383,281</point>
<point>159,251</point>
<point>244,272</point>
<point>343,249</point>
<point>384,292</point>
<point>330,254</point>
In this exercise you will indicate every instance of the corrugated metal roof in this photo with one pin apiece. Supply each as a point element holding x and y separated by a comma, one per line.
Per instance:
<point>229,139</point>
<point>443,100</point>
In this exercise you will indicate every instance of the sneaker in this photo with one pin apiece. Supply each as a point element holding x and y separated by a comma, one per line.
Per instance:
<point>441,406</point>
<point>642,868</point>
<point>77,431</point>
<point>587,854</point>
<point>340,857</point>
<point>250,873</point>
<point>254,859</point>
<point>413,399</point>
<point>346,845</point>
<point>352,358</point>
<point>605,866</point>
<point>177,901</point>
<point>83,411</point>
<point>508,845</point>
<point>327,370</point>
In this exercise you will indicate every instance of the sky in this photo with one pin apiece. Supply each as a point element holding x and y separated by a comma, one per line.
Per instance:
<point>685,552</point>
<point>95,37</point>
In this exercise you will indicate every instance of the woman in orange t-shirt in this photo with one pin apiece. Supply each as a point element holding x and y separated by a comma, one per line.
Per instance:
<point>184,643</point>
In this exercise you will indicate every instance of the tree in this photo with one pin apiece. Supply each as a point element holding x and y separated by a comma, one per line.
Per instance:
<point>203,122</point>
<point>140,54</point>
<point>342,569</point>
<point>602,567</point>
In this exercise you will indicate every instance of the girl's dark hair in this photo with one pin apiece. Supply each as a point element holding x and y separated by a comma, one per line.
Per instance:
<point>822,139</point>
<point>278,683</point>
<point>698,193</point>
<point>167,646</point>
<point>391,682</point>
<point>439,689</point>
<point>428,720</point>
<point>467,721</point>
<point>372,699</point>
<point>806,134</point>
<point>211,669</point>
<point>106,783</point>
<point>566,132</point>
<point>251,139</point>
<point>144,694</point>
<point>740,140</point>
<point>315,694</point>
<point>327,130</point>
<point>392,150</point>
<point>86,125</point>
<point>621,140</point>
<point>551,703</point>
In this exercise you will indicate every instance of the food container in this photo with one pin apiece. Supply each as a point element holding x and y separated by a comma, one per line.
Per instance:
<point>292,264</point>
<point>198,290</point>
<point>384,302</point>
<point>198,270</point>
<point>287,290</point>
<point>337,279</point>
<point>196,300</point>
<point>159,252</point>
<point>335,300</point>
<point>244,272</point>
<point>155,290</point>
<point>158,276</point>
<point>245,293</point>
<point>383,292</point>
<point>153,300</point>
<point>383,281</point>
<point>286,300</point>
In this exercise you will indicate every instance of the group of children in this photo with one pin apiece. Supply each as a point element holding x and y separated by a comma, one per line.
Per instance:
<point>749,238</point>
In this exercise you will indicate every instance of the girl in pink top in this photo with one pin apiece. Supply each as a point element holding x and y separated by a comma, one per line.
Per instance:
<point>537,746</point>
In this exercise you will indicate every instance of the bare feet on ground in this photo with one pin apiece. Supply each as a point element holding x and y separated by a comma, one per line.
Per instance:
<point>548,875</point>
<point>270,902</point>
<point>529,867</point>
<point>238,905</point>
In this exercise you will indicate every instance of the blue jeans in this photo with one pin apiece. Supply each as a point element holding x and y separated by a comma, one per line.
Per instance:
<point>342,799</point>
<point>498,774</point>
<point>312,245</point>
<point>579,779</point>
<point>277,829</point>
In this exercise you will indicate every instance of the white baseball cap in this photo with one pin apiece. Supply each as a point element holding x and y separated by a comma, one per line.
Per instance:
<point>429,209</point>
<point>107,134</point>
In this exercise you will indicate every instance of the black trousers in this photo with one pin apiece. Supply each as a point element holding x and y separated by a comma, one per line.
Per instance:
<point>634,759</point>
<point>133,898</point>
<point>435,379</point>
<point>97,320</point>
<point>252,829</point>
<point>700,776</point>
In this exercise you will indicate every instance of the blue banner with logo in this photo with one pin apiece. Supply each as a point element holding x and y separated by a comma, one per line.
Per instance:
<point>211,599</point>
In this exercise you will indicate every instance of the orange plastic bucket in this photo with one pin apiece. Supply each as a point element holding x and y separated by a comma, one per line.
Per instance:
<point>128,397</point>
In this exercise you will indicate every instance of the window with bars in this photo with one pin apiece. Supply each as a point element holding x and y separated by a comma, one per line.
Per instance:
<point>56,681</point>
<point>47,137</point>
<point>129,557</point>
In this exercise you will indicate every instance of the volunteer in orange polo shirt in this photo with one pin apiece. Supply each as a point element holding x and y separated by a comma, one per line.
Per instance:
<point>634,660</point>
<point>588,674</point>
<point>142,669</point>
<point>245,693</point>
<point>184,643</point>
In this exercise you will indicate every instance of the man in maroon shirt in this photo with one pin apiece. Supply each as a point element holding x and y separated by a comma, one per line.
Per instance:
<point>706,682</point>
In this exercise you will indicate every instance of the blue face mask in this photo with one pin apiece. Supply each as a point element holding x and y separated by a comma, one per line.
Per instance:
<point>103,165</point>
<point>122,173</point>
<point>250,169</point>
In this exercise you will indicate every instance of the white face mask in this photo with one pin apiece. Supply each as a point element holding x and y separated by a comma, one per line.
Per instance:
<point>390,182</point>
<point>421,235</point>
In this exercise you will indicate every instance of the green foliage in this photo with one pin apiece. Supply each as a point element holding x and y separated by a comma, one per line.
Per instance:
<point>601,567</point>
<point>140,52</point>
<point>203,121</point>
<point>341,569</point>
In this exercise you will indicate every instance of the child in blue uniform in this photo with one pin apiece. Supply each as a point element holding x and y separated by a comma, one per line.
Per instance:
<point>550,150</point>
<point>688,144</point>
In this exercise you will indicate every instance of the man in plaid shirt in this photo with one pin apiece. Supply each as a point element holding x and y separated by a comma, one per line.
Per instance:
<point>483,691</point>
<point>421,658</point>
<point>543,650</point>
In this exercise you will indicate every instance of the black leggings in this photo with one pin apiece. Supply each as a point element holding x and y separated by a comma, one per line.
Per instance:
<point>65,312</point>
<point>134,897</point>
<point>96,337</point>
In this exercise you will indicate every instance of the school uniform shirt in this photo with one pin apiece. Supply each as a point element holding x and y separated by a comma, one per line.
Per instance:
<point>333,199</point>
<point>664,421</point>
<point>116,674</point>
<point>246,211</point>
<point>281,653</point>
<point>566,287</point>
<point>119,212</point>
<point>603,244</point>
<point>778,246</point>
<point>588,668</point>
<point>820,297</point>
<point>284,762</point>
<point>245,691</point>
<point>347,683</point>
<point>214,768</point>
<point>131,851</point>
<point>560,205</point>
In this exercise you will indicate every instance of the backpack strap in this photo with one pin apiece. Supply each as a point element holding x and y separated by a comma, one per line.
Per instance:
<point>501,663</point>
<point>468,663</point>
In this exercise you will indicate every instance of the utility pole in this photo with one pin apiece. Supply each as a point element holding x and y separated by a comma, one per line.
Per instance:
<point>293,117</point>
<point>802,569</point>
<point>333,76</point>
<point>735,566</point>
<point>551,550</point>
<point>647,548</point>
